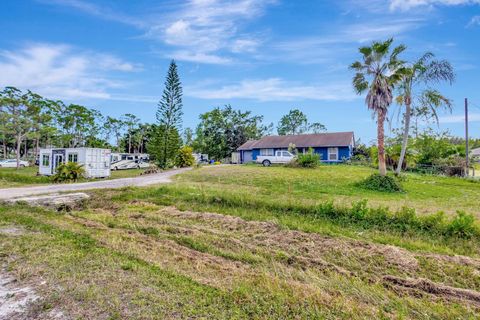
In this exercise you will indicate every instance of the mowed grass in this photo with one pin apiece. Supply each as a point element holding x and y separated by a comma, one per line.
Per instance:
<point>275,247</point>
<point>11,177</point>
<point>424,193</point>
<point>130,259</point>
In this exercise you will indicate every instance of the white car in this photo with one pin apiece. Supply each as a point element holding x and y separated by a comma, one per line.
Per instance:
<point>279,157</point>
<point>12,163</point>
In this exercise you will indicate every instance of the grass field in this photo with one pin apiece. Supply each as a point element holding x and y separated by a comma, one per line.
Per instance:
<point>425,193</point>
<point>160,252</point>
<point>11,177</point>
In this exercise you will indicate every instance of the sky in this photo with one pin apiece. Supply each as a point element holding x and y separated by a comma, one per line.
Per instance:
<point>267,56</point>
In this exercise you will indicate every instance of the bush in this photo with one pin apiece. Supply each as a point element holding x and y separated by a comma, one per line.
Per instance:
<point>68,172</point>
<point>308,160</point>
<point>463,225</point>
<point>185,157</point>
<point>381,183</point>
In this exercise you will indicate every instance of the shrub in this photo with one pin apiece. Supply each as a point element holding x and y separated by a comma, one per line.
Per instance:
<point>68,172</point>
<point>463,225</point>
<point>185,157</point>
<point>381,183</point>
<point>308,160</point>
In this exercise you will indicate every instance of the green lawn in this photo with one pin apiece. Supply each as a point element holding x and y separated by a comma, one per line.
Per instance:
<point>247,242</point>
<point>11,177</point>
<point>425,193</point>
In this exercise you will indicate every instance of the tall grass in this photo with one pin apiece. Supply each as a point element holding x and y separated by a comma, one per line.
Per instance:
<point>462,225</point>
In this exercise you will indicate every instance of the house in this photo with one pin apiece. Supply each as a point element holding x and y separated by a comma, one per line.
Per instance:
<point>95,161</point>
<point>332,147</point>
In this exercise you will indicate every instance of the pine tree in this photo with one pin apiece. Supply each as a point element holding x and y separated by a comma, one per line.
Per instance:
<point>169,113</point>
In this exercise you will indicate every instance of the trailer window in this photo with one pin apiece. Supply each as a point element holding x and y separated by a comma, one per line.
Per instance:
<point>73,157</point>
<point>45,160</point>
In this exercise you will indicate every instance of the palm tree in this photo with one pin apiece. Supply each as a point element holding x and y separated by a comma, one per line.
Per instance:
<point>377,74</point>
<point>425,71</point>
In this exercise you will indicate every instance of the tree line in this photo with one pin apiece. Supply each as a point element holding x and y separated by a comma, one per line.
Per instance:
<point>30,121</point>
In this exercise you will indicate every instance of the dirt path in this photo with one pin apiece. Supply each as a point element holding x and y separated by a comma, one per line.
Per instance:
<point>163,177</point>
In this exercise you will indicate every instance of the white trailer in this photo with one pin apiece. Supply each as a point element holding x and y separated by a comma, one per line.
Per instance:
<point>95,161</point>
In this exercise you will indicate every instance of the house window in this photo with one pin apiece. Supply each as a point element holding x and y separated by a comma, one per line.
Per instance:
<point>45,160</point>
<point>266,152</point>
<point>73,157</point>
<point>332,154</point>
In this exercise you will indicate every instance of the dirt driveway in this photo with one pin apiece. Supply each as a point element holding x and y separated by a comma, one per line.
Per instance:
<point>163,177</point>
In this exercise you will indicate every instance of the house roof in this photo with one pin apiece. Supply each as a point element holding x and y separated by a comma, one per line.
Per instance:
<point>333,139</point>
<point>476,152</point>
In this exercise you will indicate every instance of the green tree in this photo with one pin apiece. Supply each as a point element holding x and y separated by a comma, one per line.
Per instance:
<point>131,122</point>
<point>19,111</point>
<point>77,123</point>
<point>114,127</point>
<point>418,97</point>
<point>188,137</point>
<point>377,74</point>
<point>316,127</point>
<point>295,122</point>
<point>169,114</point>
<point>161,151</point>
<point>222,131</point>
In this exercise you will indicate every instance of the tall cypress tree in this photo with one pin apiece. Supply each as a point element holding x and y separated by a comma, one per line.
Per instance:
<point>169,113</point>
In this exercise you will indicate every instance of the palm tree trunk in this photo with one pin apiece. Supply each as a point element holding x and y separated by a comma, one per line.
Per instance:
<point>408,113</point>
<point>382,167</point>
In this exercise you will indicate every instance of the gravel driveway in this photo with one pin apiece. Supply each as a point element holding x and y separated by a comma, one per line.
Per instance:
<point>163,177</point>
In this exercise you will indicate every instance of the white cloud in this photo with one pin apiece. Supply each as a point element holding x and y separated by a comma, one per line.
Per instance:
<point>275,89</point>
<point>199,57</point>
<point>203,31</point>
<point>475,21</point>
<point>58,71</point>
<point>405,5</point>
<point>473,117</point>
<point>206,28</point>
<point>331,47</point>
<point>96,10</point>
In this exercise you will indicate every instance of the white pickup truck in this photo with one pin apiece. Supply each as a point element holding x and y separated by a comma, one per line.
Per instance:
<point>279,157</point>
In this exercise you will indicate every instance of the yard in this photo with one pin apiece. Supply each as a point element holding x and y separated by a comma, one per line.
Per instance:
<point>11,177</point>
<point>425,193</point>
<point>240,242</point>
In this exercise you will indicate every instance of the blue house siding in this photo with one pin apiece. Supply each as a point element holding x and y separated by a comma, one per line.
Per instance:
<point>343,153</point>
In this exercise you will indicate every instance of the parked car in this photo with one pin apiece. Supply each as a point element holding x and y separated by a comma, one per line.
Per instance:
<point>279,157</point>
<point>12,163</point>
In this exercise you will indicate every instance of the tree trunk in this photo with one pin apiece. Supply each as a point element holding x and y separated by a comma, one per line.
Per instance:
<point>381,143</point>
<point>406,129</point>
<point>19,144</point>
<point>37,146</point>
<point>5,148</point>
<point>165,148</point>
<point>25,149</point>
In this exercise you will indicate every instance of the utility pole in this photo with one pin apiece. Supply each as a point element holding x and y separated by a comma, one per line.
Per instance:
<point>466,137</point>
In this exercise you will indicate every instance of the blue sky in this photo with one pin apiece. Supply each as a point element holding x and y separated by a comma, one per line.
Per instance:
<point>268,56</point>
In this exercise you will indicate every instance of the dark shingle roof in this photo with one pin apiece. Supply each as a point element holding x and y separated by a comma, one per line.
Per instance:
<point>334,139</point>
<point>247,145</point>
